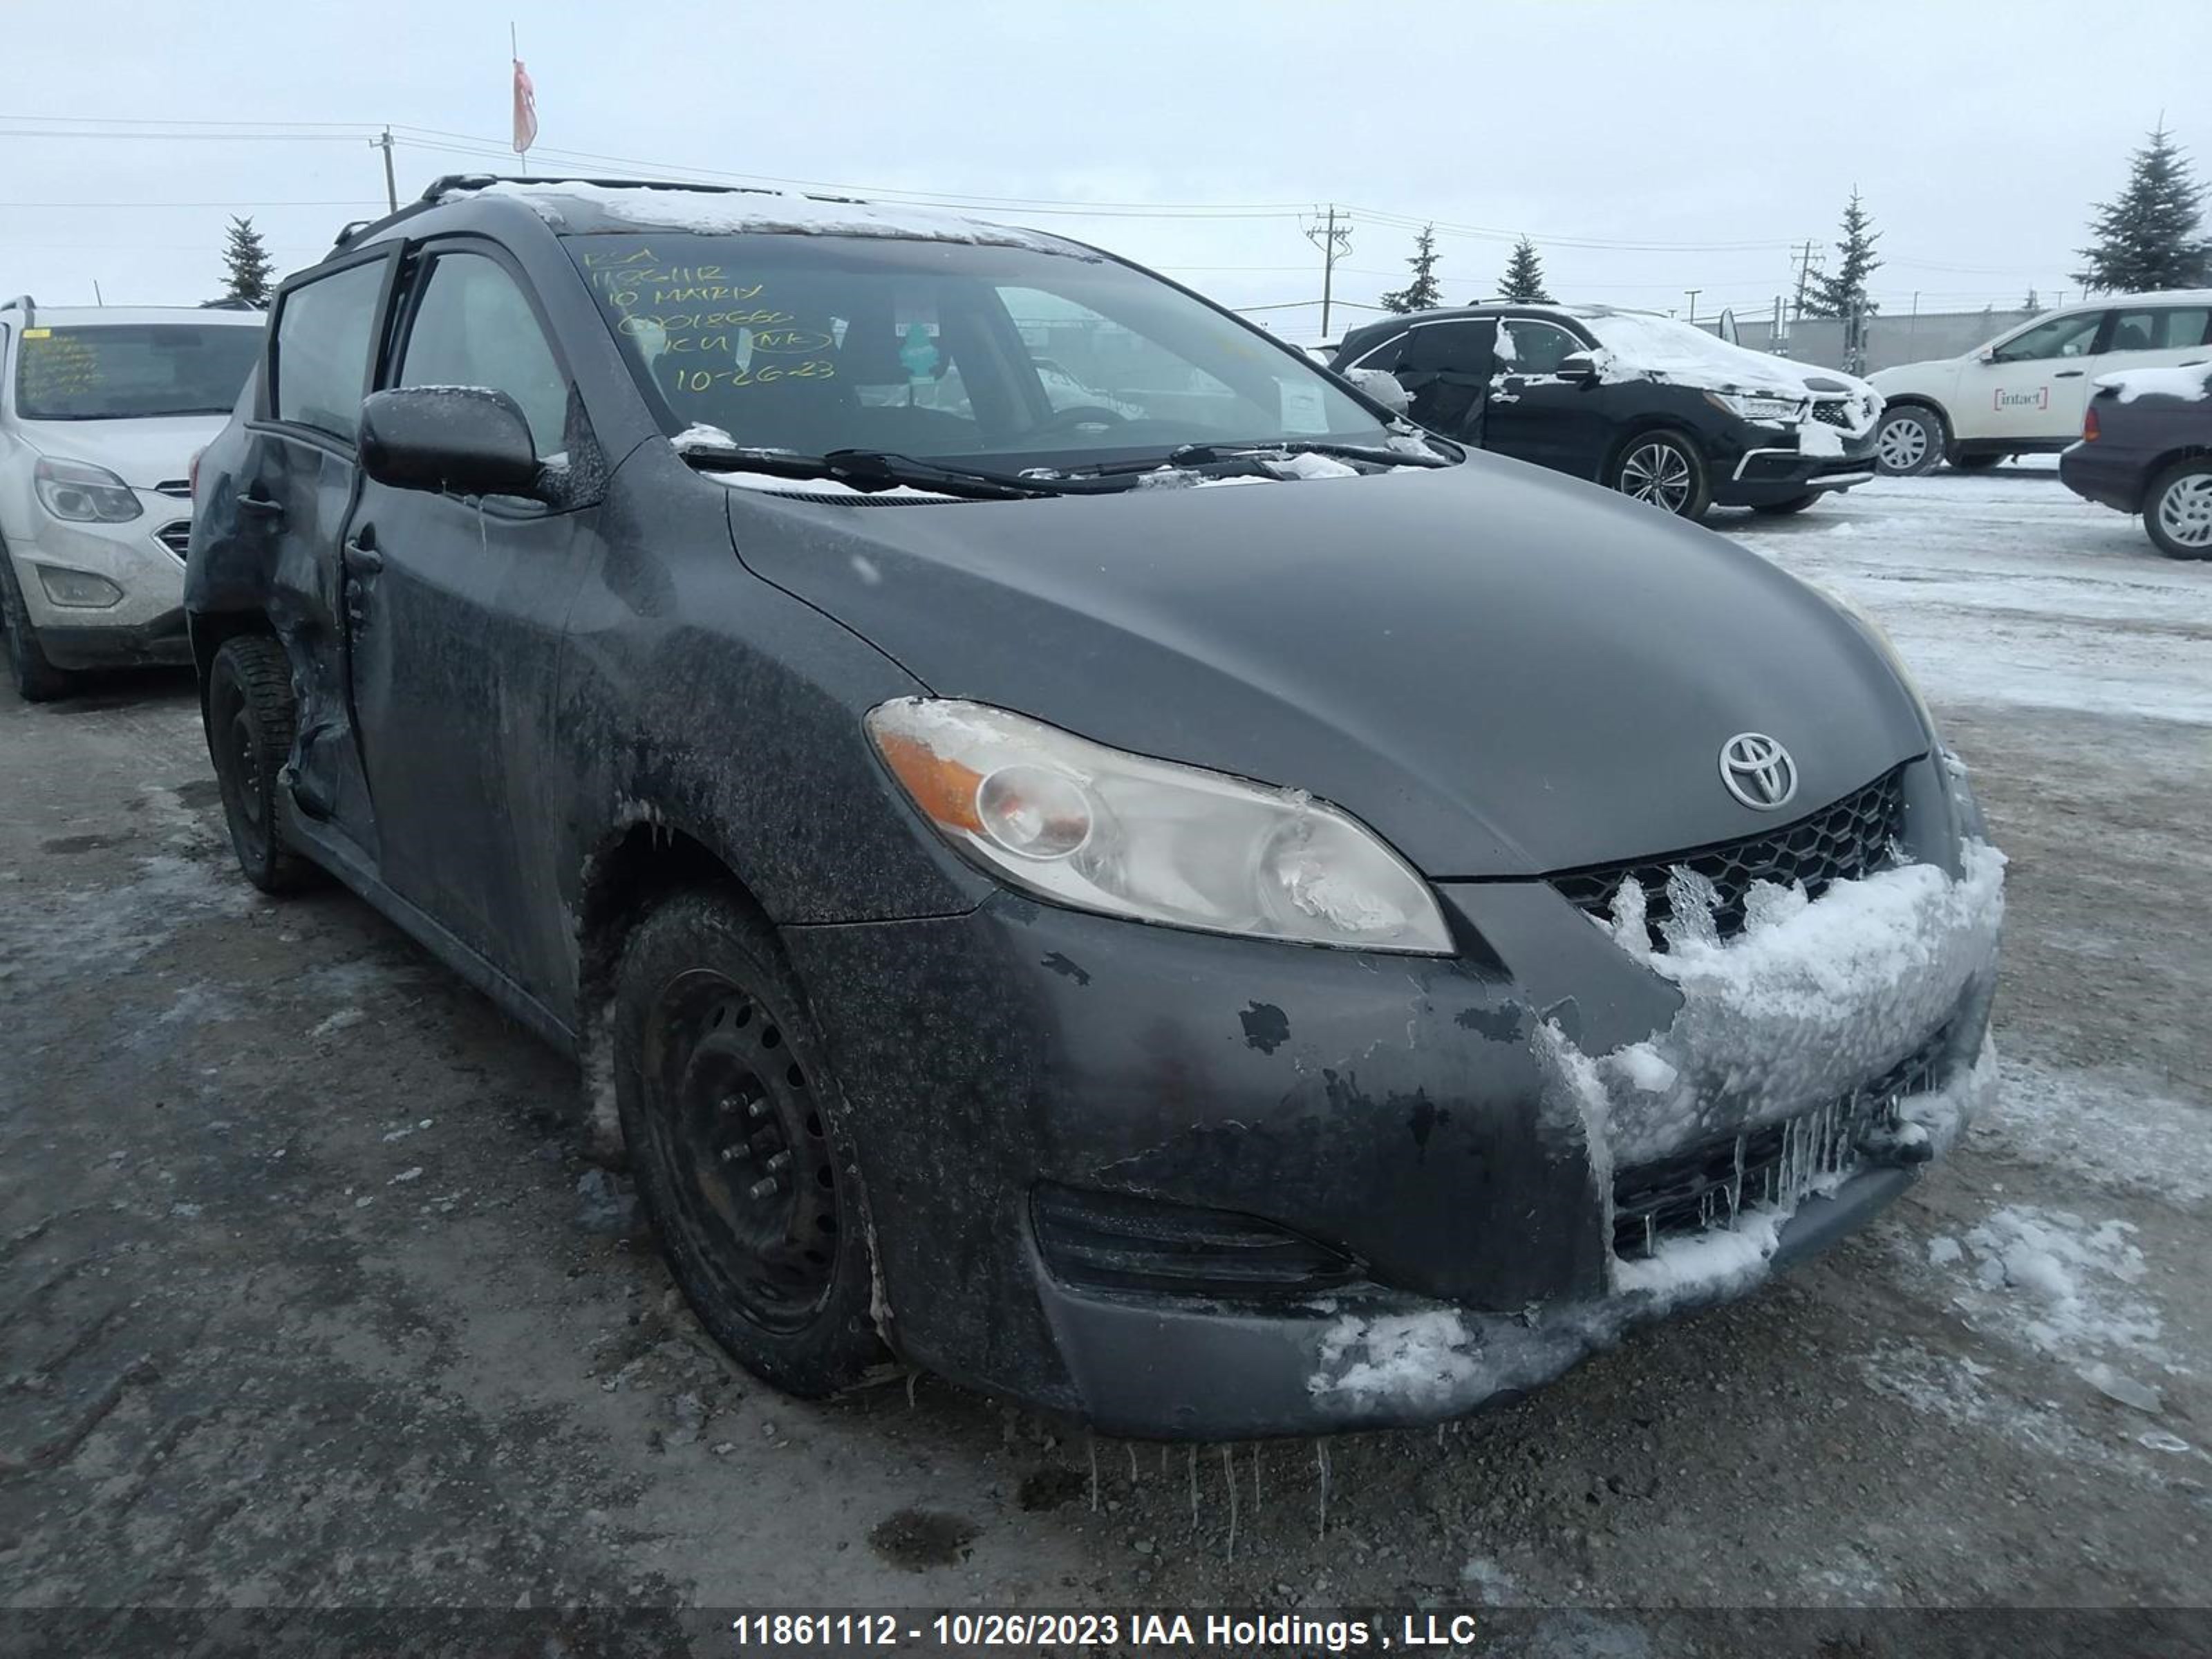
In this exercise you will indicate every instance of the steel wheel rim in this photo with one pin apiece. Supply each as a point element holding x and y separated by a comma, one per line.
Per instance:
<point>2184,511</point>
<point>752,1174</point>
<point>1658,473</point>
<point>245,756</point>
<point>1903,443</point>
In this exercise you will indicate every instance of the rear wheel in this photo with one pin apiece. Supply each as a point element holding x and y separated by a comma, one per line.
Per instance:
<point>1666,469</point>
<point>732,1122</point>
<point>1794,504</point>
<point>2178,510</point>
<point>250,720</point>
<point>36,679</point>
<point>1910,441</point>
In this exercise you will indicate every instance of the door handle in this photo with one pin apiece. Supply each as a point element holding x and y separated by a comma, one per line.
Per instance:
<point>261,507</point>
<point>362,557</point>
<point>2067,374</point>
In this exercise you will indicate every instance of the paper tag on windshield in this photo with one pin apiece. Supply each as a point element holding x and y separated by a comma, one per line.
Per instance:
<point>1303,414</point>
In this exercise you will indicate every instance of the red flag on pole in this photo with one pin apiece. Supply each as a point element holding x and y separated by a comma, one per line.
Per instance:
<point>526,110</point>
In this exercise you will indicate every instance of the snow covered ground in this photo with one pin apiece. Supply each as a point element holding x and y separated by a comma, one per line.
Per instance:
<point>2006,588</point>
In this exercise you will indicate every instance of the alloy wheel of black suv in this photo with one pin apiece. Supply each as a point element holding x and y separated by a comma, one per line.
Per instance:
<point>1666,469</point>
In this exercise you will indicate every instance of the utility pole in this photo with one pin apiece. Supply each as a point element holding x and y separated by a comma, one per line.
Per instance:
<point>1693,292</point>
<point>391,186</point>
<point>1333,240</point>
<point>1804,273</point>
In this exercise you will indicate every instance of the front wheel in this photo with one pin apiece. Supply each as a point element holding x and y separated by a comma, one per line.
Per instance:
<point>732,1121</point>
<point>1666,469</point>
<point>250,721</point>
<point>2178,510</point>
<point>36,679</point>
<point>1794,504</point>
<point>1910,441</point>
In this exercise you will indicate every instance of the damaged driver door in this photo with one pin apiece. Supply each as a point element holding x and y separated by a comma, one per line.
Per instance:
<point>459,603</point>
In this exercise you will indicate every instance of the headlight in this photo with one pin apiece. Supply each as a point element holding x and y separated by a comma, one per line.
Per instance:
<point>83,493</point>
<point>1748,406</point>
<point>1098,829</point>
<point>80,590</point>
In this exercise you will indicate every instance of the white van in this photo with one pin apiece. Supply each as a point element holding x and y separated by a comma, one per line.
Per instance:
<point>2026,390</point>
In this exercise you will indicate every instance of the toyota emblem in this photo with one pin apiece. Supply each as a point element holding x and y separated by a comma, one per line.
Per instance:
<point>1759,771</point>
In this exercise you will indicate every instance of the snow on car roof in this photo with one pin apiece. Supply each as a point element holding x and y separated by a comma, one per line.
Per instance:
<point>574,205</point>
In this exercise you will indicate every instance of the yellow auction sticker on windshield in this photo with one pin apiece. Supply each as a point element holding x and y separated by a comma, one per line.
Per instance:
<point>38,333</point>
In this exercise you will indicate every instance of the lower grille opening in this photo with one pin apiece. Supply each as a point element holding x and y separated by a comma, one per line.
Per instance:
<point>1118,1242</point>
<point>1705,1188</point>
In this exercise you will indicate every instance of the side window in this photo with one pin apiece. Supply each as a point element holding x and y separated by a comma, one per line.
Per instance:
<point>1384,354</point>
<point>323,333</point>
<point>2160,328</point>
<point>1528,347</point>
<point>2062,337</point>
<point>473,327</point>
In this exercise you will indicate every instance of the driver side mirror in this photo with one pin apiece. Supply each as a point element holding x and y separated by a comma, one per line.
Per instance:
<point>1579,367</point>
<point>469,439</point>
<point>1382,386</point>
<point>1986,354</point>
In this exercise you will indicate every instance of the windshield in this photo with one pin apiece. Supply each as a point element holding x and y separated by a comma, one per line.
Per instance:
<point>122,371</point>
<point>939,350</point>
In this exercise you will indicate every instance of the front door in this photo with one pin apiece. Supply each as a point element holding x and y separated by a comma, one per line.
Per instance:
<point>1532,414</point>
<point>460,605</point>
<point>2035,385</point>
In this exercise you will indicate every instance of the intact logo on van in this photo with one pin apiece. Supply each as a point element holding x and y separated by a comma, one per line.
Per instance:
<point>2039,398</point>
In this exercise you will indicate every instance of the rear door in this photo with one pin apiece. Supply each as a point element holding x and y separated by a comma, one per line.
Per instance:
<point>1445,369</point>
<point>461,603</point>
<point>1534,415</point>
<point>296,487</point>
<point>2035,385</point>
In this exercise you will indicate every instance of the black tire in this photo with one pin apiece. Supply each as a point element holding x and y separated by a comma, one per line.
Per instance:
<point>249,720</point>
<point>1911,442</point>
<point>1977,463</point>
<point>2178,509</point>
<point>1794,504</point>
<point>734,1125</point>
<point>36,679</point>
<point>1666,470</point>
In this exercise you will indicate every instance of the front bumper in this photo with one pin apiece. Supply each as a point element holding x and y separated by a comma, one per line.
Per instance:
<point>143,558</point>
<point>1402,1115</point>
<point>1766,475</point>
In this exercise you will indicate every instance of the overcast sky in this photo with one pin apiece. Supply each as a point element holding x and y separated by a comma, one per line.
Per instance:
<point>1647,149</point>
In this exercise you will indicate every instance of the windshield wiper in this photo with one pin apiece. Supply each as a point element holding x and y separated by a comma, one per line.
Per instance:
<point>1203,454</point>
<point>870,470</point>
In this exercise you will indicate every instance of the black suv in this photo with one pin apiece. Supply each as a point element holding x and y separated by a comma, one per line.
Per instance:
<point>1649,406</point>
<point>1023,905</point>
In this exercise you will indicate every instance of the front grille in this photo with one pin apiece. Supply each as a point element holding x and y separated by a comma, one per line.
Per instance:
<point>177,538</point>
<point>1851,838</point>
<point>1115,1241</point>
<point>1706,1186</point>
<point>1835,412</point>
<point>181,489</point>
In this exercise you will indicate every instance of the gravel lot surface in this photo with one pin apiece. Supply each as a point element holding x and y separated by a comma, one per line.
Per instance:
<point>308,1295</point>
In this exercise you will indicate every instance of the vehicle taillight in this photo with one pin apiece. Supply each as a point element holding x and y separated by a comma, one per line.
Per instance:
<point>2090,427</point>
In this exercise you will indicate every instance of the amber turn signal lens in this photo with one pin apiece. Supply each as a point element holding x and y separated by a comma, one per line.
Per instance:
<point>945,789</point>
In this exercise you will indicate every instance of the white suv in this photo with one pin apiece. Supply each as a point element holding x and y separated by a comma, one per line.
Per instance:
<point>2025,392</point>
<point>101,411</point>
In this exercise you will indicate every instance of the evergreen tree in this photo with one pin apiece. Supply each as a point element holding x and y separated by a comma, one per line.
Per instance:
<point>1844,292</point>
<point>2149,236</point>
<point>1523,280</point>
<point>1423,293</point>
<point>245,264</point>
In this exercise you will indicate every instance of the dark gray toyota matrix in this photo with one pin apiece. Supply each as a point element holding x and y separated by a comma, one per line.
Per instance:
<point>1073,849</point>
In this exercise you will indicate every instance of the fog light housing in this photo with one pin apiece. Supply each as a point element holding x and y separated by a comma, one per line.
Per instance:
<point>78,590</point>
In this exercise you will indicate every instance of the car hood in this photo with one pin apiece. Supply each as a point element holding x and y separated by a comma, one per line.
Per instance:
<point>1504,672</point>
<point>141,452</point>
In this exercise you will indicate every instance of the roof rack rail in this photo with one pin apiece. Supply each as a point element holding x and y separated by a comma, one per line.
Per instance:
<point>22,303</point>
<point>452,181</point>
